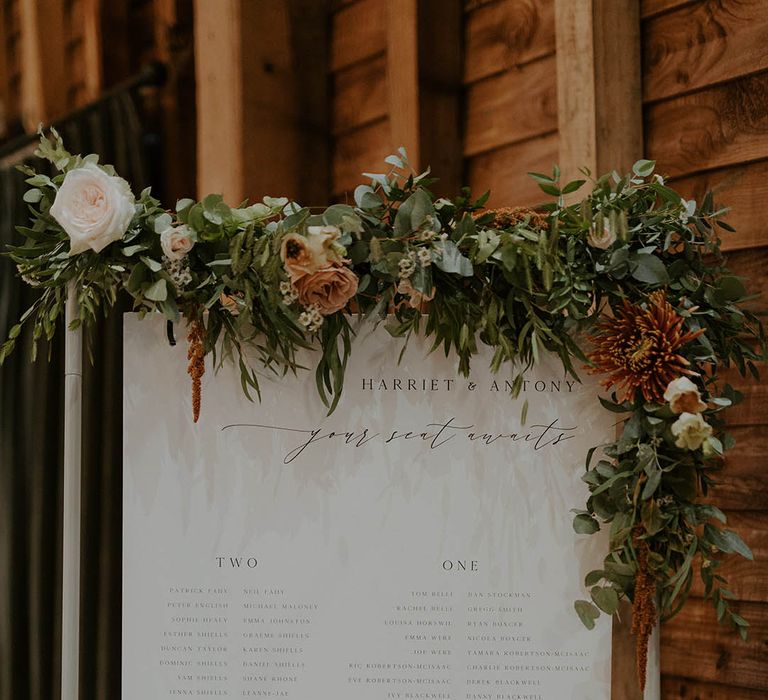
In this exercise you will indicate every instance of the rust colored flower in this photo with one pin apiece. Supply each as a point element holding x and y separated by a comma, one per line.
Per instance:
<point>638,349</point>
<point>196,366</point>
<point>643,606</point>
<point>507,217</point>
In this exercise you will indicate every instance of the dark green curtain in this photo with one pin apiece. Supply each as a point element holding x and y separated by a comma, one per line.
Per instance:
<point>31,425</point>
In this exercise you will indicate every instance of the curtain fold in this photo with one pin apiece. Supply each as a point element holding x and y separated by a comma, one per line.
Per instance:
<point>31,440</point>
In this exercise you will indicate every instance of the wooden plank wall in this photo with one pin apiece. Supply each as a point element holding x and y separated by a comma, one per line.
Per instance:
<point>360,124</point>
<point>705,97</point>
<point>510,100</point>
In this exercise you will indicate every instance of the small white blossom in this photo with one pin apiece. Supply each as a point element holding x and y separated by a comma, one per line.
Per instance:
<point>689,206</point>
<point>311,319</point>
<point>289,292</point>
<point>179,272</point>
<point>424,257</point>
<point>407,265</point>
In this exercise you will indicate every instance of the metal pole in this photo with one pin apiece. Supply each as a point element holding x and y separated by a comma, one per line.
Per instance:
<point>70,596</point>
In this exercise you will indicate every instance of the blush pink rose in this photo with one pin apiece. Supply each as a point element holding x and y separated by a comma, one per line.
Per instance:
<point>328,289</point>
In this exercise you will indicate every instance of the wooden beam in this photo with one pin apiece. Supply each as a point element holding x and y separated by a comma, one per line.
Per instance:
<point>262,99</point>
<point>598,84</point>
<point>424,62</point>
<point>219,77</point>
<point>403,77</point>
<point>441,66</point>
<point>43,79</point>
<point>600,127</point>
<point>92,49</point>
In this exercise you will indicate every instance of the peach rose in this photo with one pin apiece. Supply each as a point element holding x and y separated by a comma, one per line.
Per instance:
<point>329,289</point>
<point>305,255</point>
<point>415,298</point>
<point>601,239</point>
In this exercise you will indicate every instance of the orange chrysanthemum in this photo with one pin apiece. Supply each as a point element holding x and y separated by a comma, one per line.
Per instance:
<point>638,349</point>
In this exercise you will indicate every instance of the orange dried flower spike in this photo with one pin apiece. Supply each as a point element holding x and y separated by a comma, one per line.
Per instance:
<point>507,217</point>
<point>196,366</point>
<point>643,607</point>
<point>638,349</point>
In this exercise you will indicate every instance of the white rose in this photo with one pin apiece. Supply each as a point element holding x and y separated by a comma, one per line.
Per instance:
<point>601,239</point>
<point>683,396</point>
<point>93,208</point>
<point>177,241</point>
<point>691,430</point>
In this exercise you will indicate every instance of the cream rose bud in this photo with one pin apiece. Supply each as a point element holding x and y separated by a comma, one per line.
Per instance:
<point>683,396</point>
<point>691,430</point>
<point>601,239</point>
<point>177,241</point>
<point>93,208</point>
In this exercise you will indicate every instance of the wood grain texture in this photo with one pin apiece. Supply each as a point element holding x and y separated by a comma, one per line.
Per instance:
<point>362,150</point>
<point>359,94</point>
<point>403,77</point>
<point>748,580</point>
<point>676,688</point>
<point>703,44</point>
<point>219,131</point>
<point>506,35</point>
<point>359,32</point>
<point>511,107</point>
<point>694,641</point>
<point>651,8</point>
<point>441,92</point>
<point>742,188</point>
<point>503,171</point>
<point>717,127</point>
<point>598,85</point>
<point>747,492</point>
<point>752,264</point>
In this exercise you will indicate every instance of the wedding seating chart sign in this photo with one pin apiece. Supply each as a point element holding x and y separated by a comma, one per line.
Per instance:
<point>415,544</point>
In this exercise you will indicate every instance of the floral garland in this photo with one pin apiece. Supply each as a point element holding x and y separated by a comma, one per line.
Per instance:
<point>632,263</point>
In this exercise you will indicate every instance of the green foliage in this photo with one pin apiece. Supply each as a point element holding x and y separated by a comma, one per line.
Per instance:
<point>523,286</point>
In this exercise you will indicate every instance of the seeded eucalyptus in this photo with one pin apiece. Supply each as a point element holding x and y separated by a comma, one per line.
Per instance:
<point>627,281</point>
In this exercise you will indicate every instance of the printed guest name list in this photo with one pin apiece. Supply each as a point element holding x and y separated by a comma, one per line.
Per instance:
<point>415,544</point>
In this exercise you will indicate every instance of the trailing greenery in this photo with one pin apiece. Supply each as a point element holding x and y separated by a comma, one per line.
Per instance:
<point>522,282</point>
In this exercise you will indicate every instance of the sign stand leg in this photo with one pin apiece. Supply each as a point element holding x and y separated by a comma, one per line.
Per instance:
<point>70,597</point>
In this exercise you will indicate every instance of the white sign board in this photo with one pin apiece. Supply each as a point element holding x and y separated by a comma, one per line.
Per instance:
<point>415,544</point>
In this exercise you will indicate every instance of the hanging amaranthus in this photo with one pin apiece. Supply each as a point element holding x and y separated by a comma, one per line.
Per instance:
<point>196,366</point>
<point>643,606</point>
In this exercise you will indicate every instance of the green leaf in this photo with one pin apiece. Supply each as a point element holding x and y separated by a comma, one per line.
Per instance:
<point>573,186</point>
<point>452,261</point>
<point>652,517</point>
<point>643,168</point>
<point>587,613</point>
<point>593,577</point>
<point>585,524</point>
<point>606,599</point>
<point>649,269</point>
<point>158,291</point>
<point>412,213</point>
<point>151,264</point>
<point>32,196</point>
<point>727,541</point>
